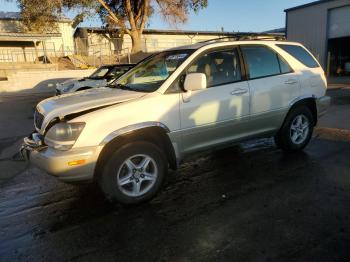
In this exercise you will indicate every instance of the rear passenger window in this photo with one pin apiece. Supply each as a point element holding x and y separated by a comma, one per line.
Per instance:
<point>300,54</point>
<point>261,61</point>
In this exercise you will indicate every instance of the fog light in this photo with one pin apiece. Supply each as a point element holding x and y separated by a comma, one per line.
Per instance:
<point>77,162</point>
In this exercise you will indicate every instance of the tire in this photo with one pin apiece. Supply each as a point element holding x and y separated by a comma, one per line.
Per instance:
<point>123,178</point>
<point>295,135</point>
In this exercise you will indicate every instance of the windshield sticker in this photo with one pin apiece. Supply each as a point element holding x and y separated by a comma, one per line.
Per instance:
<point>176,57</point>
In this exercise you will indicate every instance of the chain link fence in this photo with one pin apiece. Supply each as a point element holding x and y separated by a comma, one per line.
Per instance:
<point>96,55</point>
<point>95,51</point>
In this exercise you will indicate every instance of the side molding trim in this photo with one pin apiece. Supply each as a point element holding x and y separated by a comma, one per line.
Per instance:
<point>131,128</point>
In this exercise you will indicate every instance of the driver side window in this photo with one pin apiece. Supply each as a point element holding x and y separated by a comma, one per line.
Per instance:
<point>220,67</point>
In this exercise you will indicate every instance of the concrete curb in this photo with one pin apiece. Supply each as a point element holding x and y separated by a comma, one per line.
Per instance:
<point>332,134</point>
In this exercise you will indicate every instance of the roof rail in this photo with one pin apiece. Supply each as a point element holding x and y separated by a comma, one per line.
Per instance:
<point>247,37</point>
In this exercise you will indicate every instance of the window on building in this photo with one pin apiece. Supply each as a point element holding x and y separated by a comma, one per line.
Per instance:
<point>300,54</point>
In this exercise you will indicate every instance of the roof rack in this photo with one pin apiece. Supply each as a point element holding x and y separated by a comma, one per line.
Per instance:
<point>247,37</point>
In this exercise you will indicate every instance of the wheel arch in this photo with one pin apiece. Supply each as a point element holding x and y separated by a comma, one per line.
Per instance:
<point>308,101</point>
<point>153,132</point>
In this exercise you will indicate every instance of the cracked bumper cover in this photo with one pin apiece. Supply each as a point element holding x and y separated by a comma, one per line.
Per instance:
<point>55,162</point>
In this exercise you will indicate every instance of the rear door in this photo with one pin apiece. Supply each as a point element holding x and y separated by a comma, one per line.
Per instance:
<point>273,85</point>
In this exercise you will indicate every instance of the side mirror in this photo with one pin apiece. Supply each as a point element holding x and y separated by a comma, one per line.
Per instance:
<point>195,81</point>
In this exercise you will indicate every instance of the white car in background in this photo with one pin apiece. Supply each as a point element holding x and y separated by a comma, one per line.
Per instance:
<point>103,76</point>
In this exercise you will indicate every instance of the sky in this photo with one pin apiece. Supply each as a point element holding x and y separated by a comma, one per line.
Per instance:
<point>231,15</point>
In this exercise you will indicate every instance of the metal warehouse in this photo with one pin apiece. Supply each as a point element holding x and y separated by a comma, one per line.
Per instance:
<point>323,27</point>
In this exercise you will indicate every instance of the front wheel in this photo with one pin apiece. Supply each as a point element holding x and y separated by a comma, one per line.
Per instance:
<point>134,173</point>
<point>296,131</point>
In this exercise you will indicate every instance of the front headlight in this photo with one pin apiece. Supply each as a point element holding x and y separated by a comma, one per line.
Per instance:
<point>62,136</point>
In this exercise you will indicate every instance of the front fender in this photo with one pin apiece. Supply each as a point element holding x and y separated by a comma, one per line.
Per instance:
<point>132,128</point>
<point>154,132</point>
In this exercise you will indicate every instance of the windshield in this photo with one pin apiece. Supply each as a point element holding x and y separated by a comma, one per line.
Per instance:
<point>99,73</point>
<point>151,73</point>
<point>117,71</point>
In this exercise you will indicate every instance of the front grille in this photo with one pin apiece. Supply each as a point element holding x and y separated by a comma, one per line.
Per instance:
<point>38,119</point>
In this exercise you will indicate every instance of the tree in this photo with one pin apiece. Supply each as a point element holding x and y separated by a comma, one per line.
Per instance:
<point>129,16</point>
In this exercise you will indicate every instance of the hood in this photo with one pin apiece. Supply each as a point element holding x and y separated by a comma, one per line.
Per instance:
<point>62,85</point>
<point>60,106</point>
<point>80,82</point>
<point>67,82</point>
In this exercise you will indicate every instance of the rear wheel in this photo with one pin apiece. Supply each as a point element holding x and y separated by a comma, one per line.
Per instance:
<point>296,131</point>
<point>134,173</point>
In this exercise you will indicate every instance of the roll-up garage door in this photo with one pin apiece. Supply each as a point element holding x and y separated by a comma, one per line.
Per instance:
<point>339,22</point>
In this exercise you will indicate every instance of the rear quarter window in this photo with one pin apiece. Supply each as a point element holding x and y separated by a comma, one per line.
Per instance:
<point>300,54</point>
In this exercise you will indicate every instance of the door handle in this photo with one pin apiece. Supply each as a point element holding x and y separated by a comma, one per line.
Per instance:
<point>239,92</point>
<point>290,82</point>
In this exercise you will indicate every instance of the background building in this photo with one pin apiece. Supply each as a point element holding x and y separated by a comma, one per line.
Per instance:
<point>324,28</point>
<point>18,45</point>
<point>90,40</point>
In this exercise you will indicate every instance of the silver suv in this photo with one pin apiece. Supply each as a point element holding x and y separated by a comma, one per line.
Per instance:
<point>103,76</point>
<point>174,104</point>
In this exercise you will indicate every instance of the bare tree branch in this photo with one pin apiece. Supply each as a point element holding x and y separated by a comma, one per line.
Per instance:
<point>130,14</point>
<point>145,15</point>
<point>113,16</point>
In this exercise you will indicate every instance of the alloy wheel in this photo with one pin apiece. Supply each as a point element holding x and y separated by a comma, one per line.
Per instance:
<point>299,129</point>
<point>137,175</point>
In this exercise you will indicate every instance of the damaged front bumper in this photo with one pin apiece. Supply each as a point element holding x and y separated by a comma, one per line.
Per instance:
<point>34,142</point>
<point>75,165</point>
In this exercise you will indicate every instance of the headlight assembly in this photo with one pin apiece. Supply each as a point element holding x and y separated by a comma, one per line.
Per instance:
<point>62,136</point>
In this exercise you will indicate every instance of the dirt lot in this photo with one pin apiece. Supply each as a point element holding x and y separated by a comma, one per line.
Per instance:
<point>248,203</point>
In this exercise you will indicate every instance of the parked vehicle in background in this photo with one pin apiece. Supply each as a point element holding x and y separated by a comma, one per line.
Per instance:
<point>174,104</point>
<point>103,76</point>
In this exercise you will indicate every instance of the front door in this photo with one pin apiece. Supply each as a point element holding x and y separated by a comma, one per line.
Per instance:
<point>218,114</point>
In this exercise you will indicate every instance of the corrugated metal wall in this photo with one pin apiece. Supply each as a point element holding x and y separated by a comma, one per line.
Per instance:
<point>309,26</point>
<point>339,22</point>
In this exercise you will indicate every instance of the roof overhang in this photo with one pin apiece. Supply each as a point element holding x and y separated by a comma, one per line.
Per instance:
<point>26,37</point>
<point>306,5</point>
<point>16,16</point>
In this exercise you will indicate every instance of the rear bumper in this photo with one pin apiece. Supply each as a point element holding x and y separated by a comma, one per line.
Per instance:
<point>322,104</point>
<point>59,163</point>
